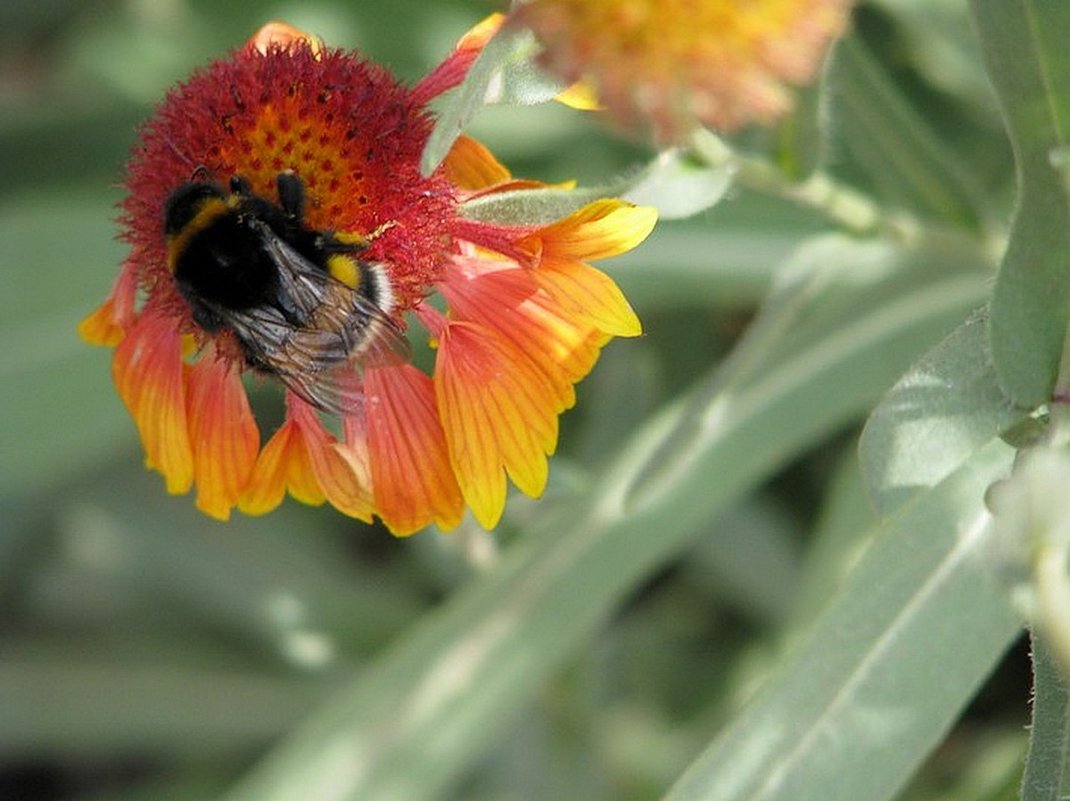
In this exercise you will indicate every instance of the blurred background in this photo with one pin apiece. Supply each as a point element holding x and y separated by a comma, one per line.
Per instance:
<point>147,652</point>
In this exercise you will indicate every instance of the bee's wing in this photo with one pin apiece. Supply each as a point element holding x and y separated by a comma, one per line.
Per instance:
<point>344,330</point>
<point>304,284</point>
<point>321,365</point>
<point>332,306</point>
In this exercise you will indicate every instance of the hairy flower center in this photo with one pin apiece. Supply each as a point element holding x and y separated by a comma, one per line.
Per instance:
<point>287,135</point>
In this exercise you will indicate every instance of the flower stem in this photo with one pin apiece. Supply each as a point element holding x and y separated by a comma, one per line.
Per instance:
<point>843,205</point>
<point>1053,599</point>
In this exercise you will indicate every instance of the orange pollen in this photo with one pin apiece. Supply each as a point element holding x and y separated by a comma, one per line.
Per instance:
<point>287,136</point>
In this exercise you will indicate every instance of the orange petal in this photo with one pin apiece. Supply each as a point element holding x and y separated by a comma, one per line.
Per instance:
<point>452,71</point>
<point>284,457</point>
<point>283,465</point>
<point>354,450</point>
<point>224,435</point>
<point>508,299</point>
<point>303,458</point>
<point>411,476</point>
<point>599,230</point>
<point>476,37</point>
<point>100,328</point>
<point>105,326</point>
<point>588,295</point>
<point>499,416</point>
<point>332,472</point>
<point>281,35</point>
<point>150,378</point>
<point>470,165</point>
<point>581,96</point>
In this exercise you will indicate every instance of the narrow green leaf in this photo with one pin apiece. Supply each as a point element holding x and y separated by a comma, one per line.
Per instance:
<point>900,153</point>
<point>114,699</point>
<point>674,183</point>
<point>523,82</point>
<point>728,266</point>
<point>1047,767</point>
<point>533,206</point>
<point>946,407</point>
<point>882,676</point>
<point>753,562</point>
<point>846,523</point>
<point>61,414</point>
<point>941,44</point>
<point>678,186</point>
<point>1028,62</point>
<point>486,83</point>
<point>250,579</point>
<point>848,319</point>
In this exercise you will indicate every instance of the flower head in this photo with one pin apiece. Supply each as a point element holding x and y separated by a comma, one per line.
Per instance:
<point>279,226</point>
<point>671,64</point>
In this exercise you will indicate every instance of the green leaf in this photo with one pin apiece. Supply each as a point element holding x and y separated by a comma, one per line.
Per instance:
<point>753,562</point>
<point>673,182</point>
<point>1047,767</point>
<point>678,186</point>
<point>113,698</point>
<point>727,266</point>
<point>501,73</point>
<point>941,45</point>
<point>523,82</point>
<point>946,407</point>
<point>886,669</point>
<point>533,206</point>
<point>846,522</point>
<point>845,320</point>
<point>249,577</point>
<point>1029,64</point>
<point>61,413</point>
<point>900,153</point>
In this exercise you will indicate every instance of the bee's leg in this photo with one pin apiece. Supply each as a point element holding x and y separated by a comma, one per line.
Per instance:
<point>291,194</point>
<point>207,319</point>
<point>240,186</point>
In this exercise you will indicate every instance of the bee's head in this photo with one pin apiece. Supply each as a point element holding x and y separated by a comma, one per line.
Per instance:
<point>186,202</point>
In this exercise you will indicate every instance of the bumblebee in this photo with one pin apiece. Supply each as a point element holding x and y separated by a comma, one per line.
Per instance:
<point>299,301</point>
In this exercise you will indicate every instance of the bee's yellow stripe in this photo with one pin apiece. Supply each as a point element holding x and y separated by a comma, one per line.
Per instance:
<point>344,269</point>
<point>210,210</point>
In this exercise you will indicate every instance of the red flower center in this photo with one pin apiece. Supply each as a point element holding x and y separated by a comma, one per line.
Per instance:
<point>350,132</point>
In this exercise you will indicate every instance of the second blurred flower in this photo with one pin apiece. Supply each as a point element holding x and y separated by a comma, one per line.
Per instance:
<point>669,65</point>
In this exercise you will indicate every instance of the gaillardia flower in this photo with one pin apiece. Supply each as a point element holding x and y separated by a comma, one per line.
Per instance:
<point>667,65</point>
<point>279,226</point>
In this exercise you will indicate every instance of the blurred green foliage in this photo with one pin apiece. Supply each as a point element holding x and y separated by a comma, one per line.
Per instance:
<point>148,652</point>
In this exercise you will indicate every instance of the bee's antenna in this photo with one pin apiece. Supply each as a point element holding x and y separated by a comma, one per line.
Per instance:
<point>201,172</point>
<point>291,194</point>
<point>180,154</point>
